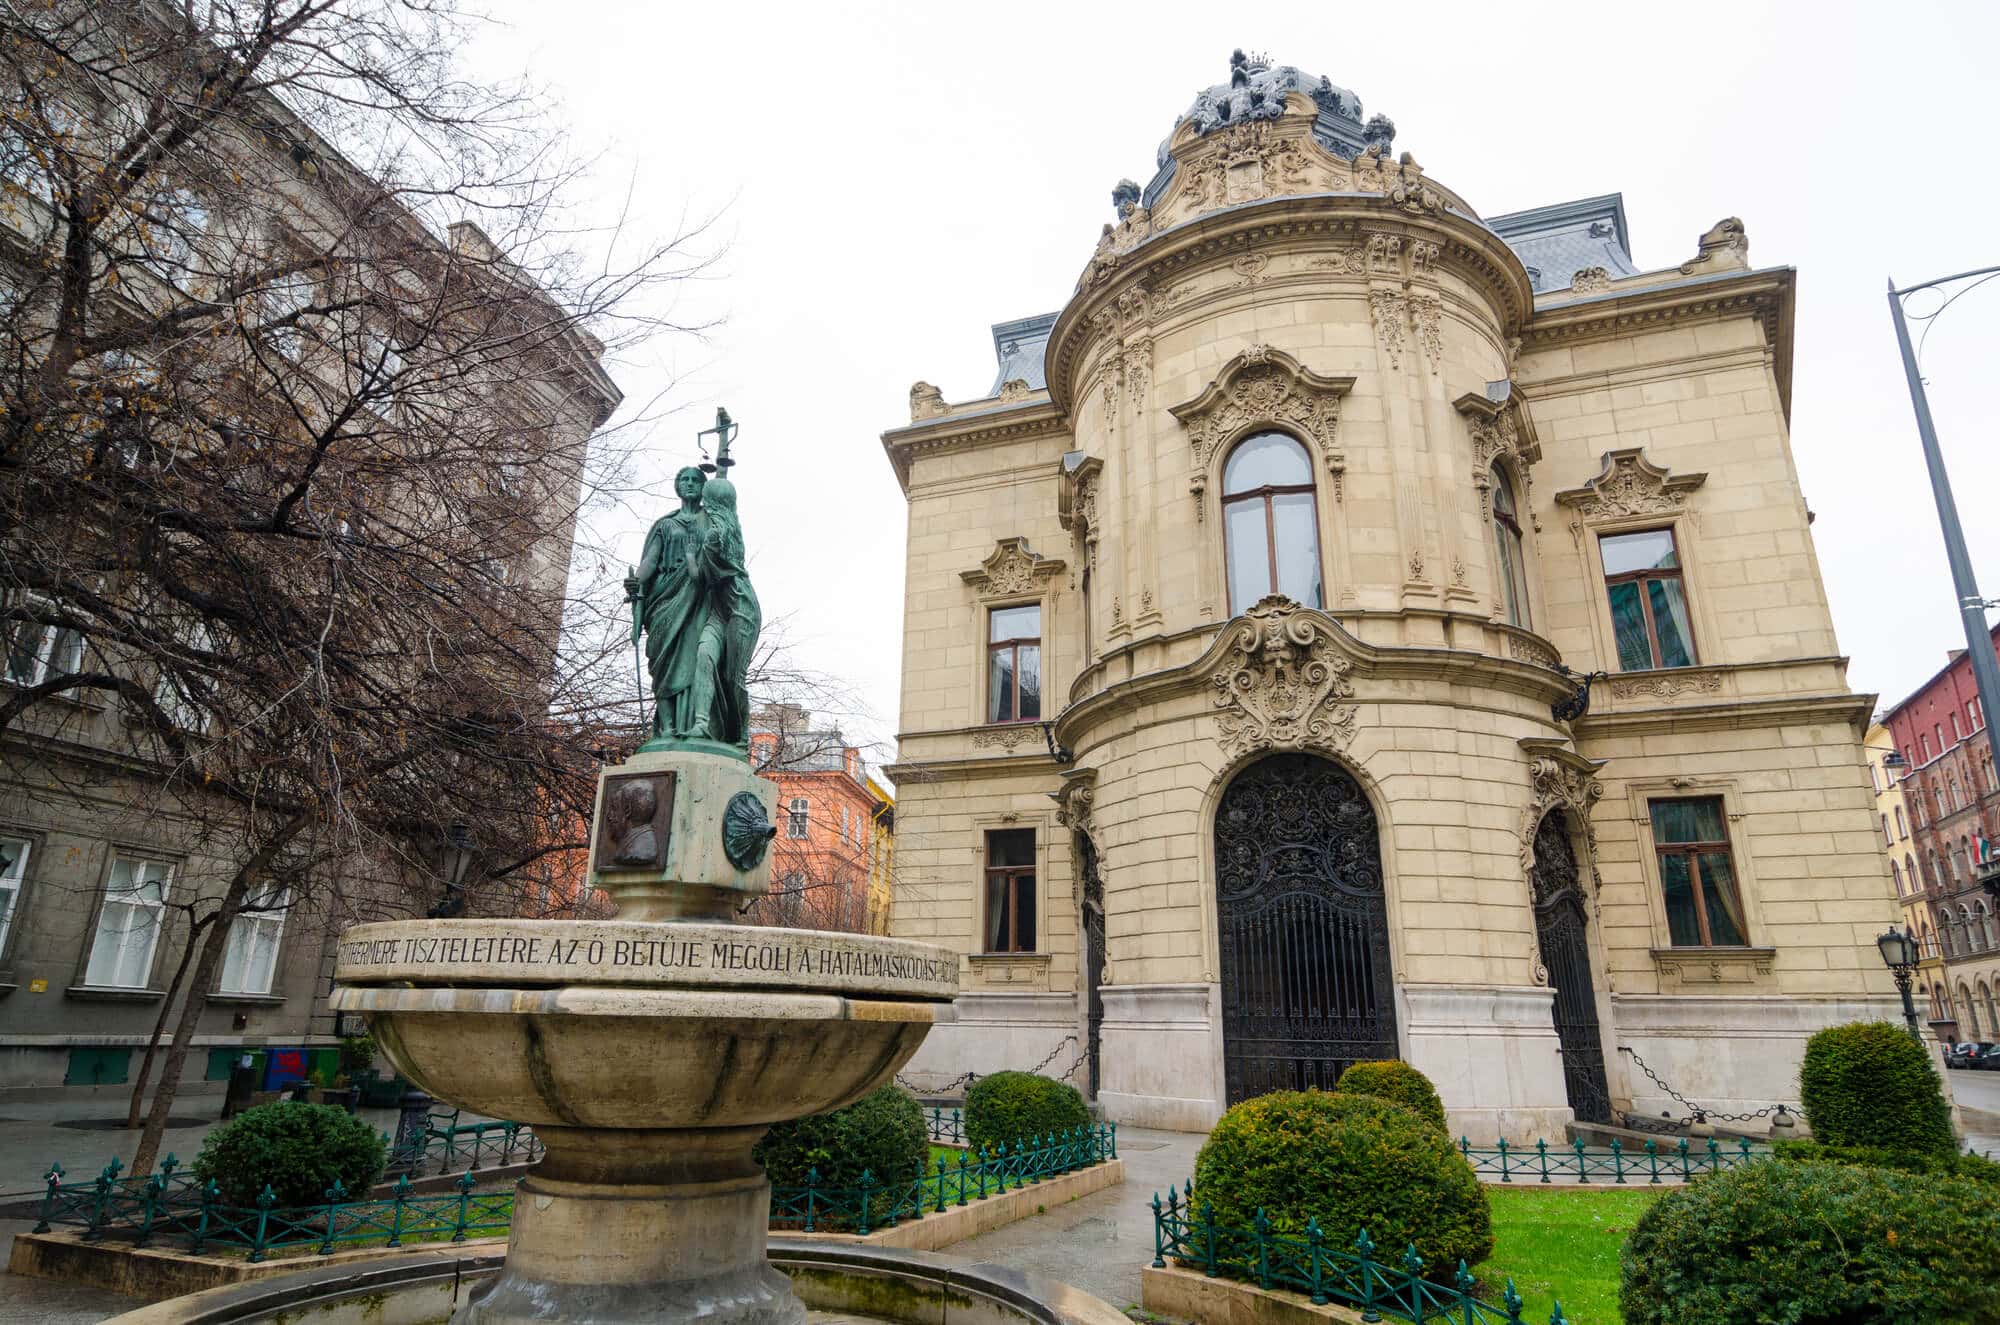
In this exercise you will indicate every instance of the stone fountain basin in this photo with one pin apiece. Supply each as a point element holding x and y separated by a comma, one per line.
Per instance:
<point>642,1025</point>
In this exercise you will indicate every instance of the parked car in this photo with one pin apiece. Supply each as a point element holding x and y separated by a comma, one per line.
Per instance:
<point>1960,1054</point>
<point>1986,1056</point>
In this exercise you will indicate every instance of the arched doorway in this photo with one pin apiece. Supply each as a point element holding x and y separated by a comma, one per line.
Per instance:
<point>1303,928</point>
<point>1562,930</point>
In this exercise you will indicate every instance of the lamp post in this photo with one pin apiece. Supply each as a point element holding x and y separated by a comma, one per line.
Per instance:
<point>1899,954</point>
<point>455,859</point>
<point>1971,607</point>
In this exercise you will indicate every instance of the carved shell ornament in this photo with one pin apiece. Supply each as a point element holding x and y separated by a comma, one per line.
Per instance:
<point>1282,684</point>
<point>746,831</point>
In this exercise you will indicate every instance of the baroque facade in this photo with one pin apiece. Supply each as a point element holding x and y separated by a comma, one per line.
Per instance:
<point>1242,734</point>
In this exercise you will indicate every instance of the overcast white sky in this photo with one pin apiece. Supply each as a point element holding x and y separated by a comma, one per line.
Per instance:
<point>894,178</point>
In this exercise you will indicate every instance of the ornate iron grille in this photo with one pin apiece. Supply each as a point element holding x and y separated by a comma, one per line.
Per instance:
<point>1093,955</point>
<point>1561,927</point>
<point>1306,985</point>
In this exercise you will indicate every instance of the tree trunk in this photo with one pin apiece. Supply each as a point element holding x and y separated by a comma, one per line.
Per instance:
<point>160,1022</point>
<point>197,995</point>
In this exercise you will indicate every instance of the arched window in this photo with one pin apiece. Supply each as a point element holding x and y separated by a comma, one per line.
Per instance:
<point>1971,1012</point>
<point>1271,533</point>
<point>1896,874</point>
<point>1512,565</point>
<point>1910,873</point>
<point>1986,997</point>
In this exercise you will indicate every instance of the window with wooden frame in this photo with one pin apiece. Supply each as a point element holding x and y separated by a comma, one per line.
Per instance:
<point>797,818</point>
<point>1513,565</point>
<point>1014,663</point>
<point>1270,529</point>
<point>129,922</point>
<point>1010,890</point>
<point>1649,609</point>
<point>1697,878</point>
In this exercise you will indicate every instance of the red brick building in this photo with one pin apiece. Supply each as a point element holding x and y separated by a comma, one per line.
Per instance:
<point>821,858</point>
<point>1953,798</point>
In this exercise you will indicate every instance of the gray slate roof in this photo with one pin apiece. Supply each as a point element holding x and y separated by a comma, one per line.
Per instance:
<point>1556,242</point>
<point>1019,346</point>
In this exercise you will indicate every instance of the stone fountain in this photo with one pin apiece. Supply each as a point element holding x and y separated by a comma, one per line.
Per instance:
<point>652,1051</point>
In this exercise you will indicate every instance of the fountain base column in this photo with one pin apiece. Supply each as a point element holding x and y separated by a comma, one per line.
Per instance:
<point>640,1226</point>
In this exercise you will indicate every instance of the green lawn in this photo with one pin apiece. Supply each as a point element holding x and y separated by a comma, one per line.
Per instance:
<point>949,1154</point>
<point>1562,1242</point>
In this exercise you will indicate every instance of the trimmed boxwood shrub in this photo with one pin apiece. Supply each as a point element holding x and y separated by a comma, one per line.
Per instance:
<point>1869,1083</point>
<point>298,1149</point>
<point>1012,1106</point>
<point>882,1133</point>
<point>1814,1244</point>
<point>1976,1167</point>
<point>1352,1162</point>
<point>1396,1081</point>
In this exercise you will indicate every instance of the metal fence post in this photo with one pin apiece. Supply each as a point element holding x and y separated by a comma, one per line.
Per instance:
<point>464,1185</point>
<point>1468,1306</point>
<point>812,1196</point>
<point>1504,1175</point>
<point>1316,1251</point>
<point>101,1200</point>
<point>940,1189</point>
<point>149,1204</point>
<point>334,1196</point>
<point>962,1160</point>
<point>1159,1236</point>
<point>1617,1160</point>
<point>1653,1162</point>
<point>401,1202</point>
<point>1260,1228</point>
<point>1208,1239</point>
<point>265,1200</point>
<point>1542,1149</point>
<point>1364,1248</point>
<point>210,1193</point>
<point>54,1179</point>
<point>867,1185</point>
<point>1512,1301</point>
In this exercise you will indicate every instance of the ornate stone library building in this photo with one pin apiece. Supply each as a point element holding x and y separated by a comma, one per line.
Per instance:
<point>1245,730</point>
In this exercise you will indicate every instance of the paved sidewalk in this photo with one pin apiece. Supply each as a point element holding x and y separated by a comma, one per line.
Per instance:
<point>1099,1243</point>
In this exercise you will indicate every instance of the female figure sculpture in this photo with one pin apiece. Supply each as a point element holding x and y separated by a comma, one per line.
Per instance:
<point>692,599</point>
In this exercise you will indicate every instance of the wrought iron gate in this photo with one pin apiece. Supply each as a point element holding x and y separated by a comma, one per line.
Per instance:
<point>1304,931</point>
<point>1093,954</point>
<point>1561,927</point>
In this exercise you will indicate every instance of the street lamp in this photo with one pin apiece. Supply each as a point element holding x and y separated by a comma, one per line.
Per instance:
<point>1971,606</point>
<point>1899,954</point>
<point>456,860</point>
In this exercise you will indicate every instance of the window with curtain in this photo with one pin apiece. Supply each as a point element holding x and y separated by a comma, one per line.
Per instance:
<point>1704,908</point>
<point>1010,890</point>
<point>1649,612</point>
<point>129,923</point>
<point>250,959</point>
<point>13,869</point>
<point>1512,564</point>
<point>1270,533</point>
<point>1014,664</point>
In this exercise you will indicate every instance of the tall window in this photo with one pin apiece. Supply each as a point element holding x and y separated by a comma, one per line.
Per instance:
<point>1010,890</point>
<point>36,651</point>
<point>1896,875</point>
<point>795,820</point>
<point>1886,838</point>
<point>1014,664</point>
<point>1270,532</point>
<point>1704,908</point>
<point>1902,824</point>
<point>13,869</point>
<point>128,924</point>
<point>1513,566</point>
<point>1642,575</point>
<point>251,957</point>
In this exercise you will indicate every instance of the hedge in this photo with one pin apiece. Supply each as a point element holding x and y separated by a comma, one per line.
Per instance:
<point>1869,1083</point>
<point>1399,1083</point>
<point>300,1150</point>
<point>1009,1107</point>
<point>882,1133</point>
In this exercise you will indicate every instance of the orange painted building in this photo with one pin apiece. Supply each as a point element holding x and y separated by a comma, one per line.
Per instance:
<point>827,848</point>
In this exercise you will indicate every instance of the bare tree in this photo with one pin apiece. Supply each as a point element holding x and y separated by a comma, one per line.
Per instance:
<point>299,363</point>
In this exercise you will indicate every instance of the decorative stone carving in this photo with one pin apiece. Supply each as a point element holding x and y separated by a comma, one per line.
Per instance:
<point>926,402</point>
<point>1427,312</point>
<point>1076,502</point>
<point>1013,568</point>
<point>1390,310</point>
<point>1074,801</point>
<point>1281,682</point>
<point>1385,255</point>
<point>1263,386</point>
<point>1423,259</point>
<point>1352,262</point>
<point>1670,685</point>
<point>1628,485</point>
<point>1501,429</point>
<point>1008,737</point>
<point>1590,280</point>
<point>1559,777</point>
<point>1531,651</point>
<point>1013,389</point>
<point>1724,247</point>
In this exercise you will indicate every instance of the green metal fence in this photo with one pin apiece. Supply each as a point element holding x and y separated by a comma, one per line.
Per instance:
<point>1678,1163</point>
<point>171,1204</point>
<point>1329,1271</point>
<point>874,1203</point>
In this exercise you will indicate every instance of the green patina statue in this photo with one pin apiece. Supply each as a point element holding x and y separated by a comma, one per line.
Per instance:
<point>691,597</point>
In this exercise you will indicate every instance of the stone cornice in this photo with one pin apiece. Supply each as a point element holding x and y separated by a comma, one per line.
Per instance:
<point>963,432</point>
<point>1140,289</point>
<point>1735,714</point>
<point>1765,294</point>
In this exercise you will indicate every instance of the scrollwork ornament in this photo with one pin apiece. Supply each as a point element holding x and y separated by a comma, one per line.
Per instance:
<point>1283,686</point>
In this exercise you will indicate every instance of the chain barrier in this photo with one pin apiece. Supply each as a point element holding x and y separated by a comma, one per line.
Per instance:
<point>964,1079</point>
<point>1696,1113</point>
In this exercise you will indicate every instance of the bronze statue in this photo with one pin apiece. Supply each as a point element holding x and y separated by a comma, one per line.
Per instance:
<point>692,599</point>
